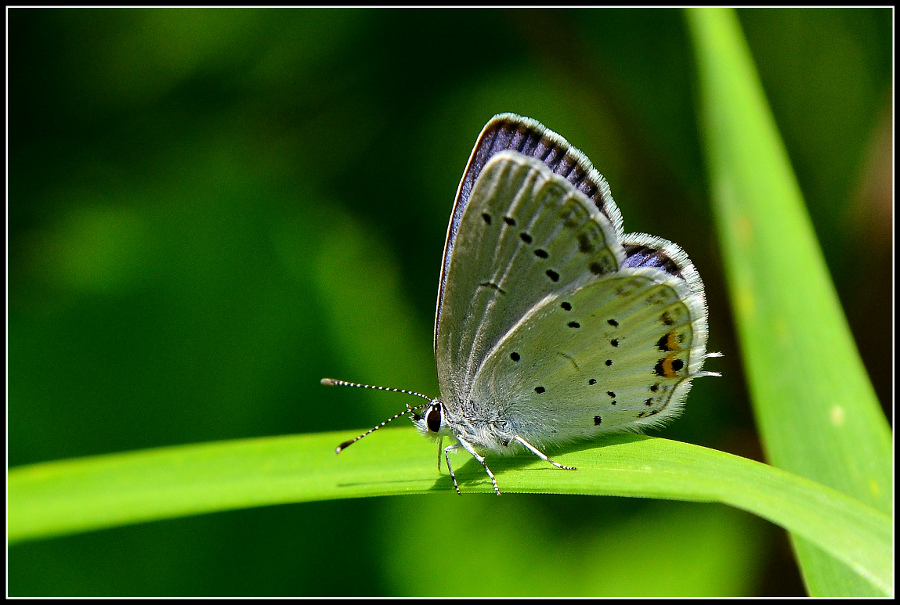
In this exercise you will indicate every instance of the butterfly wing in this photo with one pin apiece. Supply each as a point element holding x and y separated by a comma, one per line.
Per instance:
<point>550,321</point>
<point>525,234</point>
<point>529,137</point>
<point>616,353</point>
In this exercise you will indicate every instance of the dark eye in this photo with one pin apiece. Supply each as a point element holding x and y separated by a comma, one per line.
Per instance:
<point>433,420</point>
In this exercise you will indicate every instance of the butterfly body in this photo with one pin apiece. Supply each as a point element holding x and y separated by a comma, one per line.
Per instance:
<point>552,325</point>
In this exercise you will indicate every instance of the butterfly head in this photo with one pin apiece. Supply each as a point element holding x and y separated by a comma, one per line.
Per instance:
<point>431,421</point>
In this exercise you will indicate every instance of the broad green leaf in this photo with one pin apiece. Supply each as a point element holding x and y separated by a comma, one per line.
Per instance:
<point>57,498</point>
<point>817,412</point>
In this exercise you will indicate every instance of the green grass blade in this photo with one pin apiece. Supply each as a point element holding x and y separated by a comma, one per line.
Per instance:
<point>817,412</point>
<point>57,498</point>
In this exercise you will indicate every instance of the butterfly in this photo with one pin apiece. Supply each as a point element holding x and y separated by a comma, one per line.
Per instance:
<point>552,324</point>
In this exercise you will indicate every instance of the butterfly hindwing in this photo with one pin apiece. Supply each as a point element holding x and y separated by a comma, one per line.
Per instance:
<point>613,354</point>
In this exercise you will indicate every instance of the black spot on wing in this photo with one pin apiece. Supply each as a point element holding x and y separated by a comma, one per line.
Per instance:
<point>585,244</point>
<point>598,268</point>
<point>668,342</point>
<point>668,366</point>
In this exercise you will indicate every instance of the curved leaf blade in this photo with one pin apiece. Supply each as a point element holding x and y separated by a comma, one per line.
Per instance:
<point>816,409</point>
<point>64,497</point>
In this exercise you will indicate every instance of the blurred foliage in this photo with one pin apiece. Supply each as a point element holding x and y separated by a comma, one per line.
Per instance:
<point>209,210</point>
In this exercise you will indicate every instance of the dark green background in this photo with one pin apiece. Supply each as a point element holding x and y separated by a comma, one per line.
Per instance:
<point>210,210</point>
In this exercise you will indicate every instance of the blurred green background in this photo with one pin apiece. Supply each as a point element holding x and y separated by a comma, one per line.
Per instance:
<point>210,210</point>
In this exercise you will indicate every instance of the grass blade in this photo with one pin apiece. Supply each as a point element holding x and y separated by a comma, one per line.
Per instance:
<point>816,410</point>
<point>58,498</point>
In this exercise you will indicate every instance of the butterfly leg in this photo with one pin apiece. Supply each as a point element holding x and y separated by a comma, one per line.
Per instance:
<point>468,447</point>
<point>542,455</point>
<point>440,447</point>
<point>447,450</point>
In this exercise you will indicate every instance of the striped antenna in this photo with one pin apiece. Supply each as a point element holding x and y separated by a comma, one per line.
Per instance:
<point>332,382</point>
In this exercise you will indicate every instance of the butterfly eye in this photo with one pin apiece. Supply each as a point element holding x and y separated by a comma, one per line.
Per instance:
<point>433,420</point>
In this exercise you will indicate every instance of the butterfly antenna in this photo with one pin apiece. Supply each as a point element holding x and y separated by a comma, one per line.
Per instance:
<point>332,382</point>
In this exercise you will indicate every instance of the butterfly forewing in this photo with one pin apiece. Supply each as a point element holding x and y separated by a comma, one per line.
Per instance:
<point>526,234</point>
<point>509,132</point>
